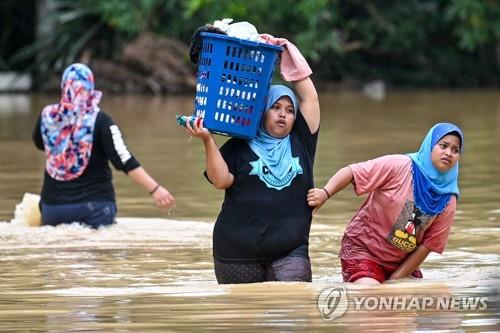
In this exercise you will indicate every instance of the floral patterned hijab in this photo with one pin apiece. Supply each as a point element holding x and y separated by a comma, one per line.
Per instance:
<point>68,127</point>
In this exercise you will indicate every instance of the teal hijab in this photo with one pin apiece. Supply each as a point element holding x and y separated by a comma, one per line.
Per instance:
<point>276,153</point>
<point>432,188</point>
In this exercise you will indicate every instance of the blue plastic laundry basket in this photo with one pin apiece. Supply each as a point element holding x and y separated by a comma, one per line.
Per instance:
<point>234,76</point>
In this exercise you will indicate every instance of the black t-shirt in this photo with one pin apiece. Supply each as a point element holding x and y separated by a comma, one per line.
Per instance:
<point>260,223</point>
<point>94,184</point>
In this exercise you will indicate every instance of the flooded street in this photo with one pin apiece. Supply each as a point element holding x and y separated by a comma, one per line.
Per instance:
<point>153,271</point>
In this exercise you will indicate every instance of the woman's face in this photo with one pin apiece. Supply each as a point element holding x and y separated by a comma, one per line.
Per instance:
<point>446,153</point>
<point>279,119</point>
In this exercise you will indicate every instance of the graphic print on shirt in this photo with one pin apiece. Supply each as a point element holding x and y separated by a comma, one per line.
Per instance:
<point>410,221</point>
<point>261,170</point>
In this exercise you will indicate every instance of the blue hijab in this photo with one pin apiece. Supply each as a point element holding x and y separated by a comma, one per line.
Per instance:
<point>276,153</point>
<point>431,188</point>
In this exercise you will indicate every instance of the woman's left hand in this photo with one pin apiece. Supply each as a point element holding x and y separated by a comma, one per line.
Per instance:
<point>163,199</point>
<point>316,197</point>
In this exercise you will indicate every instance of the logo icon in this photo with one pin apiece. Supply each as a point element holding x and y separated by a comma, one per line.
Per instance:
<point>261,170</point>
<point>332,302</point>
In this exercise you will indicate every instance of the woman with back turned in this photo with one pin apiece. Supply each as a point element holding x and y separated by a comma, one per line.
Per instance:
<point>79,140</point>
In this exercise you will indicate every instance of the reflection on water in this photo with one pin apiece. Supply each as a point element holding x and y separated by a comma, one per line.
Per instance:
<point>153,272</point>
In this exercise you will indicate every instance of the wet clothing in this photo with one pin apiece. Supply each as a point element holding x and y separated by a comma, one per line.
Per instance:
<point>95,183</point>
<point>261,220</point>
<point>288,268</point>
<point>355,269</point>
<point>92,213</point>
<point>388,226</point>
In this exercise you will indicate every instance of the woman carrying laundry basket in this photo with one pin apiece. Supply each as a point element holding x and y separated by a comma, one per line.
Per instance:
<point>261,233</point>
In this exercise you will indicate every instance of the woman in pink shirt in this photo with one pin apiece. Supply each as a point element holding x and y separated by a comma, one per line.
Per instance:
<point>409,210</point>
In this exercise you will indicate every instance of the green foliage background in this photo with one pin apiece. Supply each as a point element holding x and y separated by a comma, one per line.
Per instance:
<point>432,43</point>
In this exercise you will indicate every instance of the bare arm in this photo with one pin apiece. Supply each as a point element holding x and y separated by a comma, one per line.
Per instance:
<point>161,196</point>
<point>316,197</point>
<point>217,170</point>
<point>309,102</point>
<point>411,263</point>
<point>216,166</point>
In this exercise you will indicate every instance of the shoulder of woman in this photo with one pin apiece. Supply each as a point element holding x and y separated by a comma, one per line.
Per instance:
<point>236,142</point>
<point>450,209</point>
<point>394,159</point>
<point>104,118</point>
<point>452,204</point>
<point>104,115</point>
<point>232,143</point>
